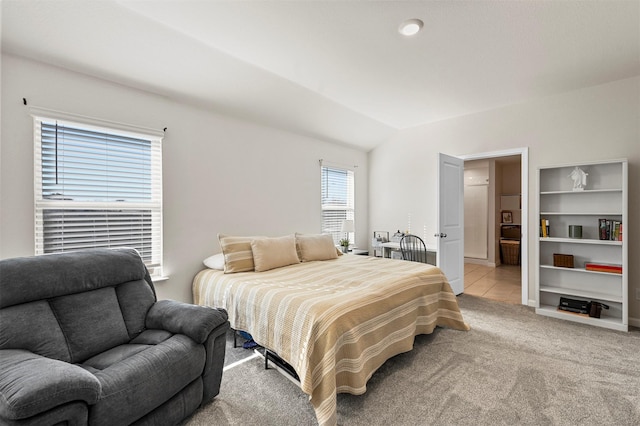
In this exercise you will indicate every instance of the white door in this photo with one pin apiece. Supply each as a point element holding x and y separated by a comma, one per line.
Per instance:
<point>450,235</point>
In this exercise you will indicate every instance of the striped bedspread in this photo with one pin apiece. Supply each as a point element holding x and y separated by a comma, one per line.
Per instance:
<point>336,321</point>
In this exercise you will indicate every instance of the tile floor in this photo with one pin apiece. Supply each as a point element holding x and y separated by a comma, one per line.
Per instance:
<point>501,283</point>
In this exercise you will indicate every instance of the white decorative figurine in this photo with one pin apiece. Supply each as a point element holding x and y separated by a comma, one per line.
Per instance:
<point>579,178</point>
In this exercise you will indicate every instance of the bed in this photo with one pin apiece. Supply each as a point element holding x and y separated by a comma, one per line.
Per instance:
<point>335,321</point>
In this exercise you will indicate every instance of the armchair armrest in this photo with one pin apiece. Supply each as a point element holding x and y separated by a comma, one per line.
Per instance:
<point>31,384</point>
<point>194,321</point>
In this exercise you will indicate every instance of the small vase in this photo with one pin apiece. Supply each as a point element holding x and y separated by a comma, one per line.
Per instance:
<point>345,249</point>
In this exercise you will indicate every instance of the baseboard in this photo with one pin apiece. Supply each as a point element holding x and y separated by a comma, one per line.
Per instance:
<point>475,261</point>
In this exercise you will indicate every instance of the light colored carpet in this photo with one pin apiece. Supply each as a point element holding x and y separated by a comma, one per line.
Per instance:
<point>513,367</point>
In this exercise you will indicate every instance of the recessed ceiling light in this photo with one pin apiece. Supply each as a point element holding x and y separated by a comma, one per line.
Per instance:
<point>410,27</point>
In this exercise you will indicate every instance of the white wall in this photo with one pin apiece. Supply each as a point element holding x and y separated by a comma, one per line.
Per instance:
<point>596,123</point>
<point>220,174</point>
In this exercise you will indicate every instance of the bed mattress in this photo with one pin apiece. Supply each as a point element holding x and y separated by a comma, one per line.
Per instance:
<point>335,321</point>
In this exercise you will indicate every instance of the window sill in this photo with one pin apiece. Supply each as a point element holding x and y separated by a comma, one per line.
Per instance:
<point>157,278</point>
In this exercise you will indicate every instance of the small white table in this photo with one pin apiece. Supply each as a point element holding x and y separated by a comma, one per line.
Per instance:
<point>389,247</point>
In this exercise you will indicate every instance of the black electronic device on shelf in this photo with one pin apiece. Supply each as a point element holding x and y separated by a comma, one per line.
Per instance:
<point>574,305</point>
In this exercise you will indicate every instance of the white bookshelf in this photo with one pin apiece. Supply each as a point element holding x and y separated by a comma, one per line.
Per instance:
<point>603,197</point>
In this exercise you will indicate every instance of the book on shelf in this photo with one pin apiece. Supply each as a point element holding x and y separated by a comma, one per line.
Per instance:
<point>544,228</point>
<point>620,234</point>
<point>617,232</point>
<point>603,267</point>
<point>609,229</point>
<point>573,310</point>
<point>578,314</point>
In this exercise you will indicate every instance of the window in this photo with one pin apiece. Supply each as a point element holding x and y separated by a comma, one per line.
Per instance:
<point>337,201</point>
<point>97,187</point>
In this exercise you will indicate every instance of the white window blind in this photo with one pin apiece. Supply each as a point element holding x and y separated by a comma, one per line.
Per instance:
<point>97,187</point>
<point>337,200</point>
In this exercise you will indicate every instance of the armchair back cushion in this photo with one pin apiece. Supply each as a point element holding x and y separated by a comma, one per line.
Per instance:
<point>83,305</point>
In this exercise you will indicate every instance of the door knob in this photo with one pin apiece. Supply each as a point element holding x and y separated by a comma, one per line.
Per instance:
<point>441,235</point>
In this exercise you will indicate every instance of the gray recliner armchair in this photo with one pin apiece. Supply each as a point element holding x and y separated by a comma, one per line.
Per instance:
<point>84,341</point>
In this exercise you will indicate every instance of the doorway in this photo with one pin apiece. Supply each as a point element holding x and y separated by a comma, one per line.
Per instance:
<point>496,261</point>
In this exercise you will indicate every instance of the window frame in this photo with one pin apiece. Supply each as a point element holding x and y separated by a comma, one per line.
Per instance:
<point>106,210</point>
<point>348,207</point>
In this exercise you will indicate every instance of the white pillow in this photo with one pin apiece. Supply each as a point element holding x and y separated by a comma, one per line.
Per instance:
<point>316,247</point>
<point>271,253</point>
<point>215,262</point>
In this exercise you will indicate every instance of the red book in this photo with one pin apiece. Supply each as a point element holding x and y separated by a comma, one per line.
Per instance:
<point>603,267</point>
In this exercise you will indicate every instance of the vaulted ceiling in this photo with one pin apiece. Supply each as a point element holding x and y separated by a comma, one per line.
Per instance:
<point>336,70</point>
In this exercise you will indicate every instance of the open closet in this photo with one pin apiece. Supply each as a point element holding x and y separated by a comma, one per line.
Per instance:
<point>493,225</point>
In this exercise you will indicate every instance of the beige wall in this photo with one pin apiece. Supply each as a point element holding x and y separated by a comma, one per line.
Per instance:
<point>220,174</point>
<point>596,123</point>
<point>510,182</point>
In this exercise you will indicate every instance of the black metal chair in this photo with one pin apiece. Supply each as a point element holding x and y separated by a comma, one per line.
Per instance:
<point>413,249</point>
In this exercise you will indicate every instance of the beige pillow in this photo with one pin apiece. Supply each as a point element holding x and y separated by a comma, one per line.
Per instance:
<point>316,247</point>
<point>271,253</point>
<point>238,256</point>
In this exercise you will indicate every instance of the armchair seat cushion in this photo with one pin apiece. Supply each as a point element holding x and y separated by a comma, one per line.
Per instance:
<point>151,337</point>
<point>108,358</point>
<point>144,379</point>
<point>31,384</point>
<point>112,356</point>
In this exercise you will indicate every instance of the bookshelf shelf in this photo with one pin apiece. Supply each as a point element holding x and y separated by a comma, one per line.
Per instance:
<point>580,241</point>
<point>559,206</point>
<point>579,270</point>
<point>582,293</point>
<point>580,213</point>
<point>586,191</point>
<point>606,322</point>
